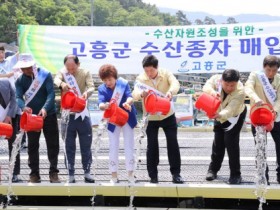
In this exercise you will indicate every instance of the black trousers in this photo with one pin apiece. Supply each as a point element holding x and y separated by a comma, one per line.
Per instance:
<point>169,127</point>
<point>275,133</point>
<point>227,140</point>
<point>50,130</point>
<point>15,124</point>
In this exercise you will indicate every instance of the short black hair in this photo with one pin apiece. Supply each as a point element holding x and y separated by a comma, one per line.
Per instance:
<point>231,75</point>
<point>150,60</point>
<point>2,48</point>
<point>271,60</point>
<point>74,57</point>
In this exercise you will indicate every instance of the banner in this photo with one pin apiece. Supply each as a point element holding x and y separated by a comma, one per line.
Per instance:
<point>181,49</point>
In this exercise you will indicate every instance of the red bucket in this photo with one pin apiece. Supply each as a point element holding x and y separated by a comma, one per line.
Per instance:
<point>155,104</point>
<point>30,122</point>
<point>6,130</point>
<point>208,103</point>
<point>116,115</point>
<point>263,116</point>
<point>73,102</point>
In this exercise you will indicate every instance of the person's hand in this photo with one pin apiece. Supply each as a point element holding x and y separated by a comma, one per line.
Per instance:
<point>43,113</point>
<point>85,95</point>
<point>27,110</point>
<point>216,95</point>
<point>259,103</point>
<point>144,94</point>
<point>10,74</point>
<point>107,105</point>
<point>215,116</point>
<point>127,106</point>
<point>8,120</point>
<point>65,87</point>
<point>169,95</point>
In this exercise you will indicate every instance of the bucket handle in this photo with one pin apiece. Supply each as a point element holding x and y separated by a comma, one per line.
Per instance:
<point>113,101</point>
<point>150,92</point>
<point>74,91</point>
<point>31,111</point>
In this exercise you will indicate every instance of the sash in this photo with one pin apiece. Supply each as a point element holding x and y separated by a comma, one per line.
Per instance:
<point>142,86</point>
<point>119,90</point>
<point>35,86</point>
<point>3,70</point>
<point>70,80</point>
<point>219,86</point>
<point>233,121</point>
<point>4,112</point>
<point>270,93</point>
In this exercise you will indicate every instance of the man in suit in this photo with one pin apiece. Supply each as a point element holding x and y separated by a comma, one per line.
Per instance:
<point>228,122</point>
<point>7,71</point>
<point>263,87</point>
<point>35,95</point>
<point>164,83</point>
<point>8,114</point>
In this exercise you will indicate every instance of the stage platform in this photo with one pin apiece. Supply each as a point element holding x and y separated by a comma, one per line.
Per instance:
<point>195,148</point>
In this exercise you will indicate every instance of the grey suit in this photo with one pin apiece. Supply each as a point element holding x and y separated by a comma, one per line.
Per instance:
<point>8,94</point>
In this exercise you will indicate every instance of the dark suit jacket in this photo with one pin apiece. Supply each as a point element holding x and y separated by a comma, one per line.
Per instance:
<point>8,94</point>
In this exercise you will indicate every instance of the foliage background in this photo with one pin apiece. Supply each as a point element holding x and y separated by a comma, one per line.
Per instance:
<point>78,13</point>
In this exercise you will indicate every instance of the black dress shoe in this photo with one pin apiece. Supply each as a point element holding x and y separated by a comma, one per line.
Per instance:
<point>154,180</point>
<point>15,179</point>
<point>89,180</point>
<point>177,179</point>
<point>211,175</point>
<point>235,180</point>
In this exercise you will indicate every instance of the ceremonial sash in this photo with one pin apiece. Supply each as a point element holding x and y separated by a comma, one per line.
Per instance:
<point>35,86</point>
<point>4,112</point>
<point>119,90</point>
<point>142,86</point>
<point>3,70</point>
<point>219,86</point>
<point>270,93</point>
<point>71,80</point>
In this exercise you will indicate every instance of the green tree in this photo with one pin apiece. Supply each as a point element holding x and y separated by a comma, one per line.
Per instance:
<point>231,20</point>
<point>61,16</point>
<point>209,21</point>
<point>169,20</point>
<point>10,17</point>
<point>182,18</point>
<point>78,13</point>
<point>101,11</point>
<point>198,22</point>
<point>139,17</point>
